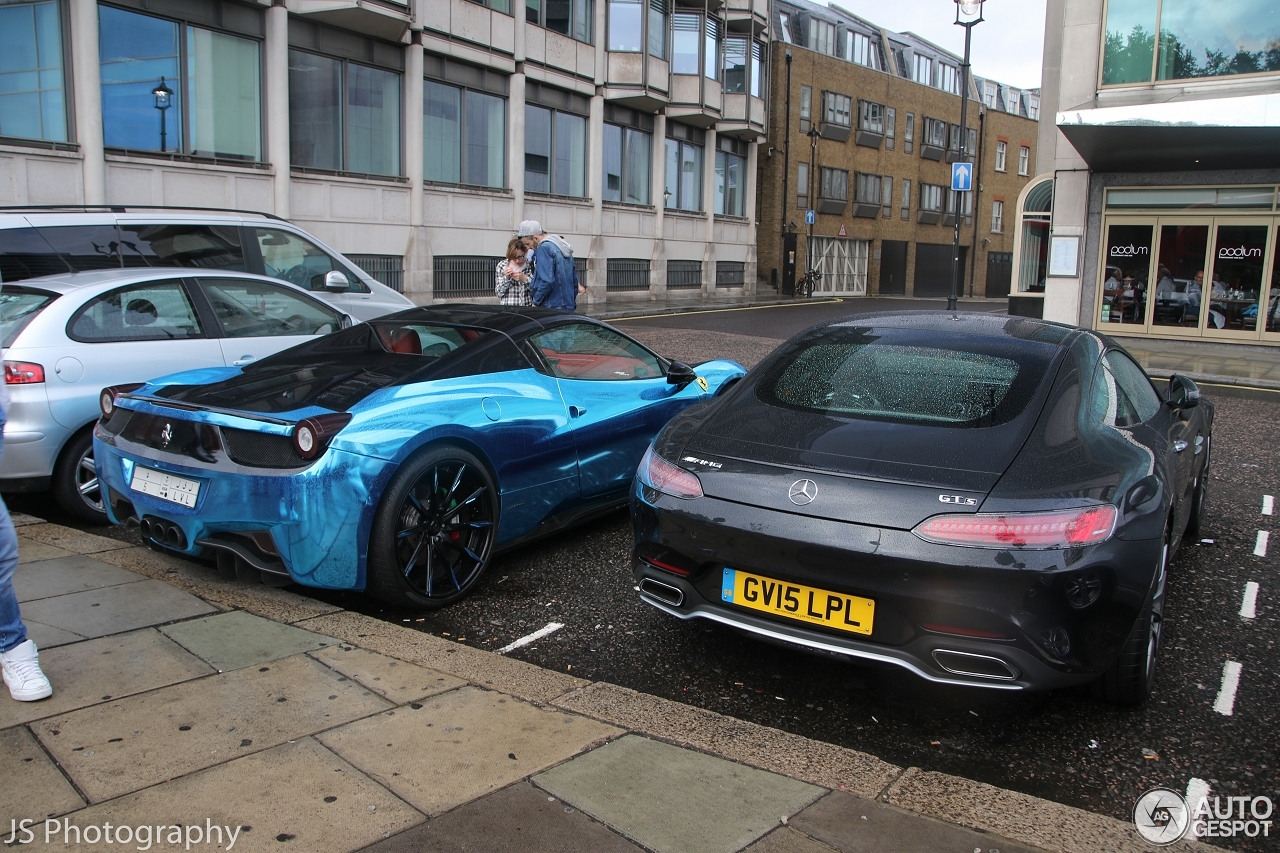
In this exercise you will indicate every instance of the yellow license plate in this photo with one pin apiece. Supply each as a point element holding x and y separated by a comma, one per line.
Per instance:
<point>794,601</point>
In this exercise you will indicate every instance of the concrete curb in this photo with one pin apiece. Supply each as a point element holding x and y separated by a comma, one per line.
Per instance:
<point>974,805</point>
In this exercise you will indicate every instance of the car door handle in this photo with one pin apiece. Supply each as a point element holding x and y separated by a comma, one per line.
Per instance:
<point>576,411</point>
<point>244,359</point>
<point>1199,444</point>
<point>1179,445</point>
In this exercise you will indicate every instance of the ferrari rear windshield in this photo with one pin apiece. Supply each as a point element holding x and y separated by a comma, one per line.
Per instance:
<point>955,381</point>
<point>424,339</point>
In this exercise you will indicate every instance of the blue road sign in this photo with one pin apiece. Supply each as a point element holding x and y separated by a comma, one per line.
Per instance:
<point>962,177</point>
<point>810,217</point>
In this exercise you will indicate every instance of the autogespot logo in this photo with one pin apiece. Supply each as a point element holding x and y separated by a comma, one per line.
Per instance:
<point>1129,251</point>
<point>1239,252</point>
<point>1163,817</point>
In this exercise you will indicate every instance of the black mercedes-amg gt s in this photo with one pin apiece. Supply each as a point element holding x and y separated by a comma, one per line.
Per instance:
<point>982,500</point>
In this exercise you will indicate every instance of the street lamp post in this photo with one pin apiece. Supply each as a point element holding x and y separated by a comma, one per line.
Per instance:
<point>164,99</point>
<point>971,10</point>
<point>814,135</point>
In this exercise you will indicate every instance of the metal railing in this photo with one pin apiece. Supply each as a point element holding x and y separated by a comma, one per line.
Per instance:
<point>730,273</point>
<point>463,275</point>
<point>684,275</point>
<point>388,269</point>
<point>627,274</point>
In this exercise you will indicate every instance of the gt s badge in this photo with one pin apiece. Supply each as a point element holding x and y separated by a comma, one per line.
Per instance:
<point>702,383</point>
<point>958,499</point>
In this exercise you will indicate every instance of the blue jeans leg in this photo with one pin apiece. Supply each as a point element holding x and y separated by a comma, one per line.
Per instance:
<point>12,631</point>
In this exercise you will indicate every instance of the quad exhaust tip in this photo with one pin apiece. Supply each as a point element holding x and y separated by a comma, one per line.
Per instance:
<point>664,592</point>
<point>978,666</point>
<point>163,532</point>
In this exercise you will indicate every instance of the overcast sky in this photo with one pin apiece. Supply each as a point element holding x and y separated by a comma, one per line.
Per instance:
<point>1006,46</point>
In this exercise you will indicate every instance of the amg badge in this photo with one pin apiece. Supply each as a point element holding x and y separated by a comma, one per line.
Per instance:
<point>958,499</point>
<point>696,461</point>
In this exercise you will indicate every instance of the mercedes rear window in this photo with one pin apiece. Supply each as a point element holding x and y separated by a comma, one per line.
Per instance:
<point>18,307</point>
<point>909,376</point>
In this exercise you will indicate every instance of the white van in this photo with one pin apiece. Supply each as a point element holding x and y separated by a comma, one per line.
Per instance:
<point>38,241</point>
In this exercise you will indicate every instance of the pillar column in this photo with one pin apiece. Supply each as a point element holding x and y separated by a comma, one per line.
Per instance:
<point>87,81</point>
<point>413,91</point>
<point>657,186</point>
<point>751,273</point>
<point>709,205</point>
<point>597,273</point>
<point>515,142</point>
<point>276,86</point>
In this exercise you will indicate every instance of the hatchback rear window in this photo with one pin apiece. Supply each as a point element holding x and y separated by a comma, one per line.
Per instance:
<point>910,377</point>
<point>18,307</point>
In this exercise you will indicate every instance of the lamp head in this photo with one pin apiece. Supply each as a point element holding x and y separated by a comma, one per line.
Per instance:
<point>969,11</point>
<point>163,94</point>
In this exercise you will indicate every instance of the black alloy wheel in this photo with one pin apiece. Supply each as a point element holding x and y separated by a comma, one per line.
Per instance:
<point>1131,678</point>
<point>434,532</point>
<point>75,483</point>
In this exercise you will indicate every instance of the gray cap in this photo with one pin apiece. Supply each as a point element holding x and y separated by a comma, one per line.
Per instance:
<point>530,228</point>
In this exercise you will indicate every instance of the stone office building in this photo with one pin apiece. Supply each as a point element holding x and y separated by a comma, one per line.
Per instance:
<point>886,109</point>
<point>413,136</point>
<point>1156,211</point>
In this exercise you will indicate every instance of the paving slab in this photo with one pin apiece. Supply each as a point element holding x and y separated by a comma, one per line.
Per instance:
<point>33,788</point>
<point>125,745</point>
<point>47,636</point>
<point>477,666</point>
<point>233,640</point>
<point>442,752</point>
<point>64,575</point>
<point>21,519</point>
<point>675,800</point>
<point>202,579</point>
<point>116,609</point>
<point>96,671</point>
<point>518,819</point>
<point>70,539</point>
<point>296,796</point>
<point>812,761</point>
<point>31,551</point>
<point>784,839</point>
<point>854,825</point>
<point>396,680</point>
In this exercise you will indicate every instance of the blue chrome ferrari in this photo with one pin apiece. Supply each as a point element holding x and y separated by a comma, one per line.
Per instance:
<point>396,456</point>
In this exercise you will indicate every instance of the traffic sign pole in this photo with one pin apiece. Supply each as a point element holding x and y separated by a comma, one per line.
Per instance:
<point>956,171</point>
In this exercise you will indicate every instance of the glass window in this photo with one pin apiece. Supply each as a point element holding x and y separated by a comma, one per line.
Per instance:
<point>537,149</point>
<point>862,50</point>
<point>867,188</point>
<point>1237,277</point>
<point>658,28</point>
<point>887,196</point>
<point>997,217</point>
<point>328,96</point>
<point>565,134</point>
<point>1002,156</point>
<point>49,250</point>
<point>588,351</point>
<point>890,127</point>
<point>757,69</point>
<point>253,309</point>
<point>931,198</point>
<point>533,11</point>
<point>870,117</point>
<point>1014,99</point>
<point>1126,394</point>
<point>906,199</point>
<point>1273,300</point>
<point>989,91</point>
<point>685,34</point>
<point>802,186</point>
<point>1033,107</point>
<point>216,96</point>
<point>924,69</point>
<point>1180,270</point>
<point>735,65</point>
<point>1128,270</point>
<point>570,17</point>
<point>785,29</point>
<point>683,175</point>
<point>822,36</point>
<point>32,100</point>
<point>18,307</point>
<point>909,133</point>
<point>935,132</point>
<point>837,109</point>
<point>464,136</point>
<point>147,311</point>
<point>1024,161</point>
<point>1196,39</point>
<point>626,25</point>
<point>834,184</point>
<point>711,50</point>
<point>626,164</point>
<point>207,246</point>
<point>1033,264</point>
<point>950,79</point>
<point>731,183</point>
<point>570,173</point>
<point>806,107</point>
<point>289,257</point>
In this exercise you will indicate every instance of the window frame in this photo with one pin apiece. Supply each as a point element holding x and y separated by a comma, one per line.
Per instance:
<point>724,159</point>
<point>580,21</point>
<point>802,185</point>
<point>623,167</point>
<point>997,216</point>
<point>344,117</point>
<point>1024,160</point>
<point>64,89</point>
<point>464,144</point>
<point>185,288</point>
<point>822,36</point>
<point>552,159</point>
<point>674,200</point>
<point>923,62</point>
<point>1002,156</point>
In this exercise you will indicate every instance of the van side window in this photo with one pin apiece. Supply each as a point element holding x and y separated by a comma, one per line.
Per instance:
<point>289,257</point>
<point>168,245</point>
<point>51,250</point>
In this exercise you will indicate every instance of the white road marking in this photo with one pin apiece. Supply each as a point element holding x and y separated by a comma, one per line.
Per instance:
<point>1197,790</point>
<point>549,628</point>
<point>1260,547</point>
<point>1249,606</point>
<point>1268,504</point>
<point>1226,701</point>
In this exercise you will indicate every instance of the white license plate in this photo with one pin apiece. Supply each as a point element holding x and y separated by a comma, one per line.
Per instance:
<point>167,487</point>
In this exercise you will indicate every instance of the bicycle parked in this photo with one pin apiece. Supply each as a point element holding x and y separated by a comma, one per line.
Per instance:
<point>808,283</point>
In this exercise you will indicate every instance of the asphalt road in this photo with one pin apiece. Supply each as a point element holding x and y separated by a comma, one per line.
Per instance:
<point>1062,746</point>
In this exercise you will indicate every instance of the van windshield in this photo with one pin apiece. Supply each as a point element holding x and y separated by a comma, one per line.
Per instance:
<point>18,307</point>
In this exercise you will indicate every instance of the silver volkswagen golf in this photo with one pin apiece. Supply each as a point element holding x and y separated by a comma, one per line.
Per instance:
<point>66,337</point>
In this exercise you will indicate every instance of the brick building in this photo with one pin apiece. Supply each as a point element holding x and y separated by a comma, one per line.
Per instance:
<point>886,107</point>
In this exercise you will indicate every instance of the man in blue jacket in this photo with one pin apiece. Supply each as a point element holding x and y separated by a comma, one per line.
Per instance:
<point>555,280</point>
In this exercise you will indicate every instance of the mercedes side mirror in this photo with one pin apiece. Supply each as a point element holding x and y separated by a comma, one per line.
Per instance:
<point>336,282</point>
<point>1183,393</point>
<point>680,374</point>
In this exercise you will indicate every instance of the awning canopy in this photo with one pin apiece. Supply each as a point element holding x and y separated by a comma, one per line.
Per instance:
<point>1216,133</point>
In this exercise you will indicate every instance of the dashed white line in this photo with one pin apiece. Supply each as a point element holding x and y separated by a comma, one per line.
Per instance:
<point>1249,606</point>
<point>1197,790</point>
<point>1268,504</point>
<point>549,628</point>
<point>1260,547</point>
<point>1226,702</point>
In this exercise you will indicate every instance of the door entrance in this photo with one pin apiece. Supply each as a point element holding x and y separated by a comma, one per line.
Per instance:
<point>933,269</point>
<point>843,264</point>
<point>999,274</point>
<point>893,267</point>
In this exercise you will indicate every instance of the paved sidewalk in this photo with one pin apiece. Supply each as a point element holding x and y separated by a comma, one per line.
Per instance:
<point>234,716</point>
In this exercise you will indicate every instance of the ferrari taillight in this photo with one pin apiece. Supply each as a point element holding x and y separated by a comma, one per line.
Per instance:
<point>1070,528</point>
<point>312,435</point>
<point>658,473</point>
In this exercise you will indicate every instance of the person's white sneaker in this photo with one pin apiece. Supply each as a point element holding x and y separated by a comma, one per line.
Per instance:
<point>22,674</point>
